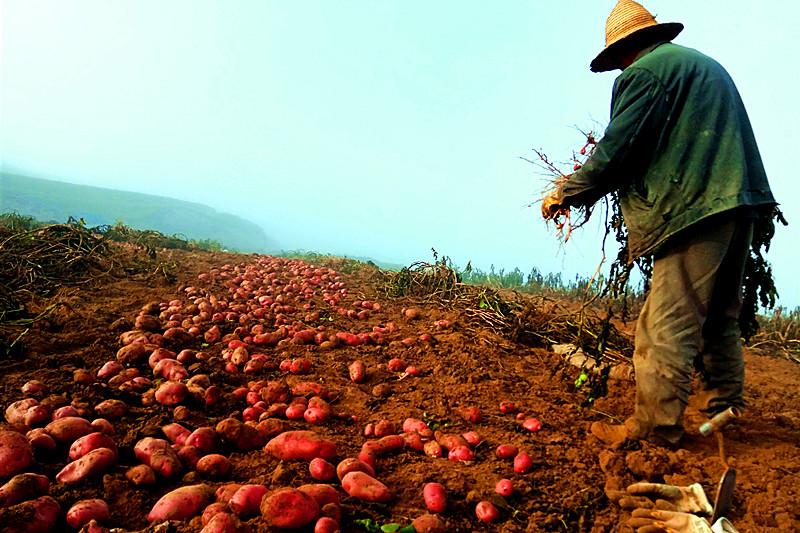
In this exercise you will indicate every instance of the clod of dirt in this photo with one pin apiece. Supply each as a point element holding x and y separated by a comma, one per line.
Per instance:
<point>382,390</point>
<point>649,463</point>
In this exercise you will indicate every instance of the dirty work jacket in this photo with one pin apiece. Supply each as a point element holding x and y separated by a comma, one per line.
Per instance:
<point>679,148</point>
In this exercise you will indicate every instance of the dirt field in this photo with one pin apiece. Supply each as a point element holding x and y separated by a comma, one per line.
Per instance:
<point>462,365</point>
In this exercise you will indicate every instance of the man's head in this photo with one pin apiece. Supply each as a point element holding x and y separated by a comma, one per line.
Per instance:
<point>630,29</point>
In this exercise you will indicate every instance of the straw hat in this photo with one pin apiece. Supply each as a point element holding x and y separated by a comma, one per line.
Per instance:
<point>628,22</point>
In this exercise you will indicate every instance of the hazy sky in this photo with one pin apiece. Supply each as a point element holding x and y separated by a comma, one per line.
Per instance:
<point>361,127</point>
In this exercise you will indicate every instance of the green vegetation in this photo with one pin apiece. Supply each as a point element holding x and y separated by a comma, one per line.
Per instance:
<point>55,201</point>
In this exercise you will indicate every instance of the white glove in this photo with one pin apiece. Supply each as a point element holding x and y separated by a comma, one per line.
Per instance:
<point>691,499</point>
<point>723,525</point>
<point>657,521</point>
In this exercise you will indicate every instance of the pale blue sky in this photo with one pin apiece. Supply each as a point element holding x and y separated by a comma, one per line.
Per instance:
<point>361,127</point>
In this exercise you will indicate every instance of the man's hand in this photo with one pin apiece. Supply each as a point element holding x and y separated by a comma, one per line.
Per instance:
<point>691,499</point>
<point>552,204</point>
<point>650,521</point>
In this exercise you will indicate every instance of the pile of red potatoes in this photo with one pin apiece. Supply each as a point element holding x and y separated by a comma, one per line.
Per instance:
<point>262,308</point>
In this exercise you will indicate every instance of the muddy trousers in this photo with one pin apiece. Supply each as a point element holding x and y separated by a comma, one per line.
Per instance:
<point>690,321</point>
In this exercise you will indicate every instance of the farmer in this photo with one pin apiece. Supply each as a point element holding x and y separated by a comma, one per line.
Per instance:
<point>681,154</point>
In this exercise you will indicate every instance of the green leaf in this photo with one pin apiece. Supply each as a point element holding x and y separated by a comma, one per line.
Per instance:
<point>390,528</point>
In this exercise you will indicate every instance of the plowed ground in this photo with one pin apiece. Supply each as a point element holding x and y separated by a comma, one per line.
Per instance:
<point>464,366</point>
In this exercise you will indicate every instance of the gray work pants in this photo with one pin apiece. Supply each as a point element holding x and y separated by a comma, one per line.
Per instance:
<point>690,320</point>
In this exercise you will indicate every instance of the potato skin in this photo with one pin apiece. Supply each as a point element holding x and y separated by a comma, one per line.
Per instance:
<point>34,516</point>
<point>23,487</point>
<point>181,504</point>
<point>85,511</point>
<point>289,508</point>
<point>246,501</point>
<point>214,466</point>
<point>428,523</point>
<point>15,453</point>
<point>301,444</point>
<point>365,487</point>
<point>68,429</point>
<point>93,463</point>
<point>435,497</point>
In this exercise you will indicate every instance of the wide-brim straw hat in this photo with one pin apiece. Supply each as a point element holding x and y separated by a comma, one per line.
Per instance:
<point>630,22</point>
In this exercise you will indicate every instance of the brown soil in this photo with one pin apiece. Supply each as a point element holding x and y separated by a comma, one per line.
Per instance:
<point>464,366</point>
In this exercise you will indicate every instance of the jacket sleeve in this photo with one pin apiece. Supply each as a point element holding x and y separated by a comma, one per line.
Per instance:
<point>635,105</point>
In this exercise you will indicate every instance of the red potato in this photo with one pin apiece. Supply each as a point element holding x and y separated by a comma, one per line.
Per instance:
<point>326,524</point>
<point>36,416</point>
<point>171,393</point>
<point>369,430</point>
<point>212,510</point>
<point>414,441</point>
<point>297,409</point>
<point>222,523</point>
<point>385,427</point>
<point>433,449</point>
<point>274,392</point>
<point>246,500</point>
<point>157,355</point>
<point>214,466</point>
<point>506,451</point>
<point>332,510</point>
<point>40,441</point>
<point>470,414</point>
<point>450,440</point>
<point>102,425</point>
<point>176,433</point>
<point>472,438</point>
<point>523,463</point>
<point>68,429</point>
<point>428,523</point>
<point>33,387</point>
<point>269,428</point>
<point>357,371</point>
<point>321,470</point>
<point>33,516</point>
<point>301,444</point>
<point>64,412</point>
<point>16,453</point>
<point>318,411</point>
<point>170,369</point>
<point>435,497</point>
<point>166,463</point>
<point>463,454</point>
<point>323,494</point>
<point>417,426</point>
<point>396,365</point>
<point>159,455</point>
<point>84,511</point>
<point>141,475</point>
<point>504,488</point>
<point>225,492</point>
<point>129,355</point>
<point>203,438</point>
<point>109,370</point>
<point>364,487</point>
<point>289,508</point>
<point>384,445</point>
<point>244,437</point>
<point>181,504</point>
<point>532,424</point>
<point>90,442</point>
<point>15,413</point>
<point>487,512</point>
<point>508,407</point>
<point>23,487</point>
<point>189,456</point>
<point>93,463</point>
<point>351,464</point>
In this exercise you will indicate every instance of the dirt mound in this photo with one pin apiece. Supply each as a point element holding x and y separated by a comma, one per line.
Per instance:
<point>461,363</point>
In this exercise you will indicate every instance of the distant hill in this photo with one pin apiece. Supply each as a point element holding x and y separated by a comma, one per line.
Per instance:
<point>49,200</point>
